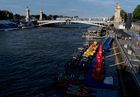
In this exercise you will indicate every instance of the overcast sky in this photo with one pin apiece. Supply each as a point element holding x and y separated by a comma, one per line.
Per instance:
<point>82,8</point>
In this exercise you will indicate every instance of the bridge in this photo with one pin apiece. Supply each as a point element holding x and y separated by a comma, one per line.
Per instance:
<point>88,22</point>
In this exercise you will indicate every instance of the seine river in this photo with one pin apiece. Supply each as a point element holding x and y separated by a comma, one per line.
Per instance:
<point>30,59</point>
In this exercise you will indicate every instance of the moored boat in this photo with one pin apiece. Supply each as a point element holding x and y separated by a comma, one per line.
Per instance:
<point>92,80</point>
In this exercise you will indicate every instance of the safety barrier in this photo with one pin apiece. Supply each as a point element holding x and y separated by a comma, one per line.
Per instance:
<point>130,66</point>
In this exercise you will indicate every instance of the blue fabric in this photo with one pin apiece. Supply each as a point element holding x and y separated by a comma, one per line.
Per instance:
<point>107,44</point>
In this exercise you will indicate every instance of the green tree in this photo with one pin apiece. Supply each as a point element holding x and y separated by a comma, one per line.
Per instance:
<point>36,16</point>
<point>112,18</point>
<point>55,17</point>
<point>49,17</point>
<point>136,13</point>
<point>76,17</point>
<point>5,15</point>
<point>17,17</point>
<point>123,14</point>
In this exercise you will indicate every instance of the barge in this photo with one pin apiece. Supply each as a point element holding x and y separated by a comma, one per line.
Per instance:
<point>87,73</point>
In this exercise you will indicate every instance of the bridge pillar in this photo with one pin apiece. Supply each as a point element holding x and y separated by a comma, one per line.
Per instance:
<point>27,14</point>
<point>117,17</point>
<point>41,15</point>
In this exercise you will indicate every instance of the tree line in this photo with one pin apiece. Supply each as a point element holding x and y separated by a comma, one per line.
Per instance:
<point>52,17</point>
<point>136,13</point>
<point>7,15</point>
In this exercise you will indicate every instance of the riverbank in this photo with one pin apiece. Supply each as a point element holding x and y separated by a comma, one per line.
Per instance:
<point>10,25</point>
<point>69,26</point>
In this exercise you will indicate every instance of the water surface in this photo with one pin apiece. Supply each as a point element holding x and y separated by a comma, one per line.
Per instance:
<point>30,59</point>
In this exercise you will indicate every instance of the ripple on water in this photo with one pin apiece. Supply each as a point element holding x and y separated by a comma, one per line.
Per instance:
<point>31,58</point>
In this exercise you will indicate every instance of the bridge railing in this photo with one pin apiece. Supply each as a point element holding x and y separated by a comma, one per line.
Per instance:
<point>103,22</point>
<point>95,23</point>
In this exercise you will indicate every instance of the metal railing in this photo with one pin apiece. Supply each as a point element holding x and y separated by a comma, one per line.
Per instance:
<point>127,61</point>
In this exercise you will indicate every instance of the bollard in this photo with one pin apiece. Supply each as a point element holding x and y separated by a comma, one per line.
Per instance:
<point>129,38</point>
<point>125,46</point>
<point>137,43</point>
<point>125,38</point>
<point>130,52</point>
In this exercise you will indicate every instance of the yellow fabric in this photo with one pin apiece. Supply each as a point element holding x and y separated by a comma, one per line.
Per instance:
<point>91,50</point>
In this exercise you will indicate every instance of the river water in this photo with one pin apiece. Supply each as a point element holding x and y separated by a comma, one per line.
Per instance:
<point>30,59</point>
